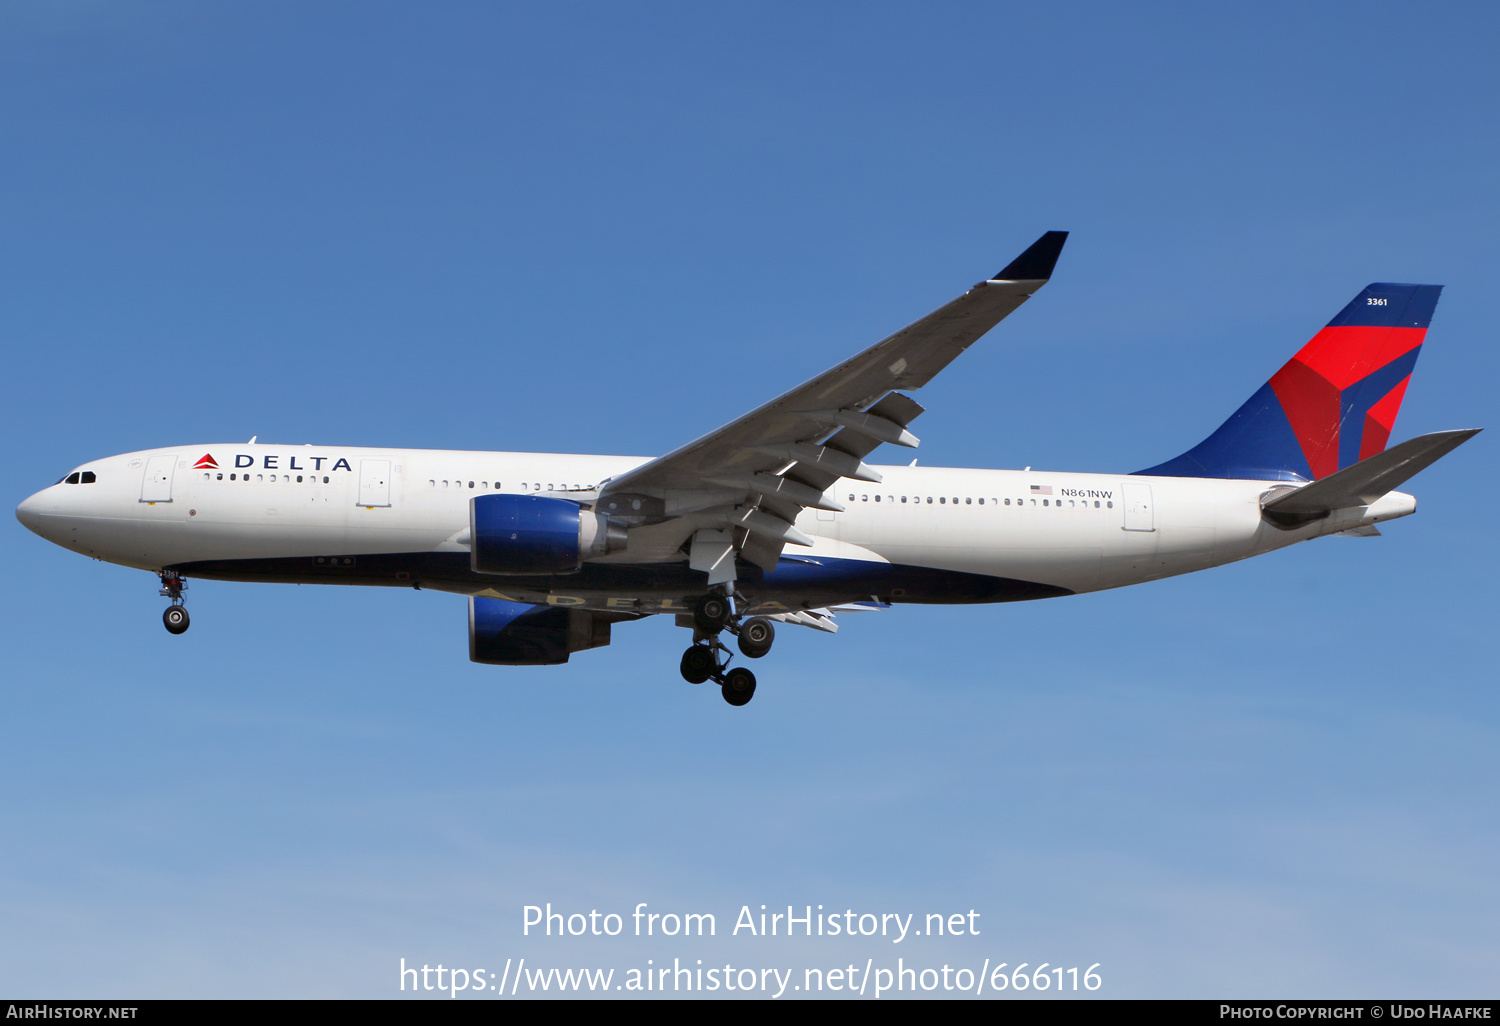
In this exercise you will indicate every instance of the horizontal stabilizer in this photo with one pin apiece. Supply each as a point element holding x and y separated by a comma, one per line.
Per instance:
<point>1369,479</point>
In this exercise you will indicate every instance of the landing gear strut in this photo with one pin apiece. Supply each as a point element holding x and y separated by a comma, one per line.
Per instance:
<point>176,615</point>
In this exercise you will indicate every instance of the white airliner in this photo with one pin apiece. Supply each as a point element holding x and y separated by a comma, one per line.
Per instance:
<point>774,517</point>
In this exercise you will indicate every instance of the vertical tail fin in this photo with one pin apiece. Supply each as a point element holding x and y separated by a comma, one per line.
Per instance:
<point>1332,405</point>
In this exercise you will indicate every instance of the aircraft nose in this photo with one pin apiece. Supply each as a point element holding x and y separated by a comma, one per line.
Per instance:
<point>29,513</point>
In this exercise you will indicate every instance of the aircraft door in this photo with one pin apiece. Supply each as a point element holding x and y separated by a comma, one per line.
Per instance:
<point>1140,511</point>
<point>374,483</point>
<point>156,483</point>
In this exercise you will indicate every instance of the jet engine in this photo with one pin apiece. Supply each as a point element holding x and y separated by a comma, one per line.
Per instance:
<point>534,534</point>
<point>518,634</point>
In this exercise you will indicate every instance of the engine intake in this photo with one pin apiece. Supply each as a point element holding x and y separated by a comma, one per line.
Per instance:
<point>535,534</point>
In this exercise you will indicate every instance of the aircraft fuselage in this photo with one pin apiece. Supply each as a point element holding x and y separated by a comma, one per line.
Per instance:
<point>399,517</point>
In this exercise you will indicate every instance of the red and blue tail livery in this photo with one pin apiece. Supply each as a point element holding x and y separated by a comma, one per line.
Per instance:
<point>1332,405</point>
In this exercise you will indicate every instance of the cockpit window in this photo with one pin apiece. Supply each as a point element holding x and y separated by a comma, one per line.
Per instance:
<point>72,478</point>
<point>87,477</point>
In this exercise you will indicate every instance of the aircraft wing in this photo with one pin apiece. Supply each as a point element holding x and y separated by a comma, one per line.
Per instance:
<point>737,490</point>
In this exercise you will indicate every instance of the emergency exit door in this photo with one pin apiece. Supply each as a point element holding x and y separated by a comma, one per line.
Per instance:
<point>1140,511</point>
<point>374,482</point>
<point>156,483</point>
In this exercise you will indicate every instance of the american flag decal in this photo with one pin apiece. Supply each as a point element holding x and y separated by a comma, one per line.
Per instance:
<point>1041,489</point>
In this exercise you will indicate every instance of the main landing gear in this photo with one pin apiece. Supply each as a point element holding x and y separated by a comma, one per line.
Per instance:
<point>708,658</point>
<point>176,615</point>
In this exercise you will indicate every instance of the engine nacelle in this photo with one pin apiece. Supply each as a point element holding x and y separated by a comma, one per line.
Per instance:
<point>518,634</point>
<point>535,534</point>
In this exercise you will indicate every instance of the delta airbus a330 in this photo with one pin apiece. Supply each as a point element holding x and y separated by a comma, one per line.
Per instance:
<point>776,517</point>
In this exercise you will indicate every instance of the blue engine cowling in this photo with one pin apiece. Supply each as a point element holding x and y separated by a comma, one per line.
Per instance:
<point>519,634</point>
<point>534,534</point>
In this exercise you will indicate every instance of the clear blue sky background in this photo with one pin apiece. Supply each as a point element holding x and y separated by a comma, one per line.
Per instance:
<point>610,228</point>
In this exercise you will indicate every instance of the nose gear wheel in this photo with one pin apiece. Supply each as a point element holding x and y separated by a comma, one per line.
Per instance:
<point>176,619</point>
<point>176,615</point>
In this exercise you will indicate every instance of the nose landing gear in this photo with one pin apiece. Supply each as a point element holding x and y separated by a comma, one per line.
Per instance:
<point>176,615</point>
<point>176,619</point>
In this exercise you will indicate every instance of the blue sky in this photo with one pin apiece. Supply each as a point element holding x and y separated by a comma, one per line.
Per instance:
<point>599,228</point>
